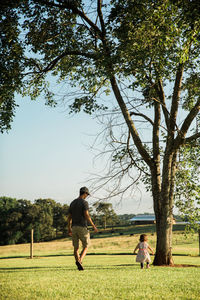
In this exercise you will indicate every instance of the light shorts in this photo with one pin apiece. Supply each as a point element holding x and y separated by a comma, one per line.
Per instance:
<point>80,233</point>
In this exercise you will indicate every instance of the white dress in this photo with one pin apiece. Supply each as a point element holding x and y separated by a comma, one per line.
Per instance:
<point>143,254</point>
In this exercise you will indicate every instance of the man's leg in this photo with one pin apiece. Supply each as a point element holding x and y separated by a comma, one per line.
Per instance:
<point>76,254</point>
<point>78,260</point>
<point>85,239</point>
<point>75,240</point>
<point>83,254</point>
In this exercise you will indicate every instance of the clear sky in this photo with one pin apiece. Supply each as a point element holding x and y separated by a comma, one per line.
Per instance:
<point>46,155</point>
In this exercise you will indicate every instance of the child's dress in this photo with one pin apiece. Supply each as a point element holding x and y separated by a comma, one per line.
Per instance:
<point>143,254</point>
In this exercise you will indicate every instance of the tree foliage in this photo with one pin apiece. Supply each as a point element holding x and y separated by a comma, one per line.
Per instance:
<point>18,217</point>
<point>11,62</point>
<point>187,190</point>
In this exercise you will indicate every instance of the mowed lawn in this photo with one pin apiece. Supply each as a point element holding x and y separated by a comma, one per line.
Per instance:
<point>110,272</point>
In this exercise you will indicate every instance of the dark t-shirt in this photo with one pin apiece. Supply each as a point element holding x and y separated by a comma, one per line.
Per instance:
<point>76,209</point>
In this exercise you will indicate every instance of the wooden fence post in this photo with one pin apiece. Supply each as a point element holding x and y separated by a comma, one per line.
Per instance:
<point>31,245</point>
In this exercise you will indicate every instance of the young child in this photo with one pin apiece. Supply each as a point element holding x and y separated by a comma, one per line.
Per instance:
<point>143,254</point>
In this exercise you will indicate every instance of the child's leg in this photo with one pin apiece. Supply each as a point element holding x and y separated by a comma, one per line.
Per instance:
<point>142,265</point>
<point>148,265</point>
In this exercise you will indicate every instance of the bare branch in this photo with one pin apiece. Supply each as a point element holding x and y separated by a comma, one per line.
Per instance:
<point>66,53</point>
<point>131,157</point>
<point>143,116</point>
<point>53,63</point>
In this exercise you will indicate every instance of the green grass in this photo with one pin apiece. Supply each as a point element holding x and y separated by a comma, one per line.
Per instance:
<point>110,273</point>
<point>105,277</point>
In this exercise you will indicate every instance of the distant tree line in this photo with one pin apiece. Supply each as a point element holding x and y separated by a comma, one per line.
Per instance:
<point>47,217</point>
<point>17,217</point>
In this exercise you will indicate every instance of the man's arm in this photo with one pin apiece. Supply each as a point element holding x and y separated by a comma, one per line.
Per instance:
<point>88,218</point>
<point>69,221</point>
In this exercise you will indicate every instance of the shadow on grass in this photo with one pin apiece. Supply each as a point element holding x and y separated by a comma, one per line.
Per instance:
<point>24,269</point>
<point>65,268</point>
<point>71,254</point>
<point>130,253</point>
<point>87,268</point>
<point>30,268</point>
<point>68,269</point>
<point>88,254</point>
<point>35,256</point>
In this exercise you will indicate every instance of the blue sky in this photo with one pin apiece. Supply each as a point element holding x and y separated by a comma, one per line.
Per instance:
<point>46,155</point>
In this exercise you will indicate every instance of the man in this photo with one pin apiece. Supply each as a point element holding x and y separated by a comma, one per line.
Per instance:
<point>78,217</point>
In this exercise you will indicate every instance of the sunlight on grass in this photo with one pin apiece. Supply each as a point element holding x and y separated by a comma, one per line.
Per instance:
<point>110,273</point>
<point>105,277</point>
<point>125,244</point>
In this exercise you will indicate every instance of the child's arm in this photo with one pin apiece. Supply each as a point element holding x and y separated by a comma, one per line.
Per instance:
<point>136,248</point>
<point>150,249</point>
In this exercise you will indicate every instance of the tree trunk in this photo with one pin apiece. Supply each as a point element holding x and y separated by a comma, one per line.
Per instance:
<point>164,213</point>
<point>163,254</point>
<point>164,223</point>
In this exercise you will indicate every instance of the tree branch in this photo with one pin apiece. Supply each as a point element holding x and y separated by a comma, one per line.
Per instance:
<point>175,100</point>
<point>161,94</point>
<point>52,64</point>
<point>131,156</point>
<point>156,127</point>
<point>192,138</point>
<point>180,139</point>
<point>71,5</point>
<point>101,18</point>
<point>143,116</point>
<point>66,53</point>
<point>138,143</point>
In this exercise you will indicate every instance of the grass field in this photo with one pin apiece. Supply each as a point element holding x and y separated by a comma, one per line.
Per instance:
<point>110,271</point>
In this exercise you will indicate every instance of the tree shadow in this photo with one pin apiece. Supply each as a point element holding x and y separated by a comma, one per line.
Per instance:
<point>88,254</point>
<point>36,256</point>
<point>24,269</point>
<point>109,253</point>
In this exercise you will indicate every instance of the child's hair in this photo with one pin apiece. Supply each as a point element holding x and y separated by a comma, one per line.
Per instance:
<point>143,238</point>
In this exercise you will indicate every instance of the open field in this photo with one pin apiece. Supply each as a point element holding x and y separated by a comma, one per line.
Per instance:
<point>108,243</point>
<point>105,277</point>
<point>110,271</point>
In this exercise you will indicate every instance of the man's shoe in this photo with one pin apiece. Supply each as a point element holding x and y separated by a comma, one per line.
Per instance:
<point>79,266</point>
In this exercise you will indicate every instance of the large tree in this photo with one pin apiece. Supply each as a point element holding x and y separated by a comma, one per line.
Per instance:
<point>146,54</point>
